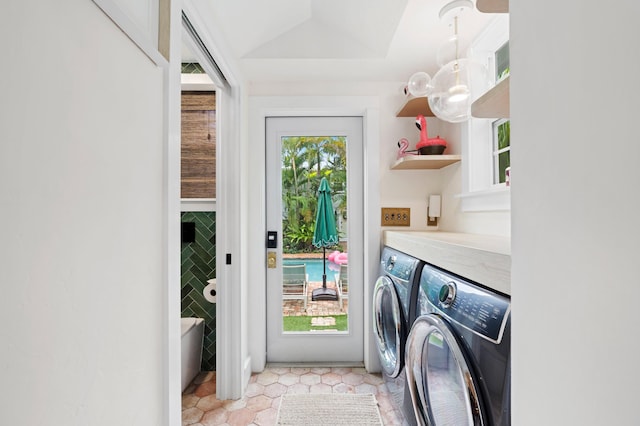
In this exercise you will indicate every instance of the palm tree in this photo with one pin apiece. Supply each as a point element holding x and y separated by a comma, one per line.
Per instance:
<point>305,160</point>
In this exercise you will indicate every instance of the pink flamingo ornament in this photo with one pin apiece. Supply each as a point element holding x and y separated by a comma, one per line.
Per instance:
<point>421,124</point>
<point>428,144</point>
<point>403,144</point>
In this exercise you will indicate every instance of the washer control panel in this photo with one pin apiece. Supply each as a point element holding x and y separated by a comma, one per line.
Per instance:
<point>398,264</point>
<point>465,303</point>
<point>402,270</point>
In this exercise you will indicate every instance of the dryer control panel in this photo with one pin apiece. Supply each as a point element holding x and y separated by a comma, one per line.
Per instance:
<point>474,308</point>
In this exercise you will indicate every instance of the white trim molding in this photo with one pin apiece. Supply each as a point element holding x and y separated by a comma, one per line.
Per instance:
<point>171,183</point>
<point>198,205</point>
<point>230,239</point>
<point>145,42</point>
<point>479,193</point>
<point>497,198</point>
<point>197,82</point>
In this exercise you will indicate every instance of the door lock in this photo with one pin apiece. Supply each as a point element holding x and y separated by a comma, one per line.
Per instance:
<point>271,259</point>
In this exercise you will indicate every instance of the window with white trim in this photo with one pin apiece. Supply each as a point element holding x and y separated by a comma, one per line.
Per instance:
<point>487,142</point>
<point>501,128</point>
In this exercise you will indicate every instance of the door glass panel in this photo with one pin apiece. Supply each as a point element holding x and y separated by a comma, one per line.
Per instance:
<point>445,385</point>
<point>315,280</point>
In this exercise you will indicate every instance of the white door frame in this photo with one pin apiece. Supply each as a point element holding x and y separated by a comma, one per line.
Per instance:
<point>294,106</point>
<point>230,314</point>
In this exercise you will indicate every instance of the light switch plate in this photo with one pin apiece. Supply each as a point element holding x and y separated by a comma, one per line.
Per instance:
<point>396,216</point>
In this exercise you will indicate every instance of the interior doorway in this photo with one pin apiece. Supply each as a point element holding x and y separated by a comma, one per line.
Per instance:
<point>197,215</point>
<point>198,218</point>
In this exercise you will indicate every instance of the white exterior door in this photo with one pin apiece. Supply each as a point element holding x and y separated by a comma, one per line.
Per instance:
<point>299,152</point>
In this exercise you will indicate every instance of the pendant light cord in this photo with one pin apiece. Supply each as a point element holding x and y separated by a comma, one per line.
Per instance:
<point>456,67</point>
<point>455,31</point>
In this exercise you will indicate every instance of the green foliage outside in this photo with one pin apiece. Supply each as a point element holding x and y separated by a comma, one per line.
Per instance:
<point>305,160</point>
<point>504,142</point>
<point>303,323</point>
<point>504,133</point>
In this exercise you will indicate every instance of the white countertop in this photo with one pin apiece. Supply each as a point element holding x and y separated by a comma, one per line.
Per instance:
<point>485,259</point>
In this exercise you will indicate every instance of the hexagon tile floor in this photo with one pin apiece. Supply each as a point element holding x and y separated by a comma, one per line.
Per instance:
<point>260,404</point>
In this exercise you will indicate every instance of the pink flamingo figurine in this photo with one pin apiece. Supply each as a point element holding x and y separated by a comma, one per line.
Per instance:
<point>421,124</point>
<point>425,145</point>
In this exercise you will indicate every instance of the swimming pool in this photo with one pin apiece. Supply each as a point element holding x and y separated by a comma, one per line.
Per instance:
<point>314,268</point>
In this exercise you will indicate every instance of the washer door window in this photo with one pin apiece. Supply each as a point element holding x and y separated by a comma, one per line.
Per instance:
<point>388,325</point>
<point>443,391</point>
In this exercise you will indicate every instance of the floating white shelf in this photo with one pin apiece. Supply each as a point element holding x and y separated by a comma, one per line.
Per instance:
<point>494,103</point>
<point>424,162</point>
<point>414,107</point>
<point>493,6</point>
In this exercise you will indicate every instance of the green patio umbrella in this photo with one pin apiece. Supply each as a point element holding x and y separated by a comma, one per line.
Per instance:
<point>324,235</point>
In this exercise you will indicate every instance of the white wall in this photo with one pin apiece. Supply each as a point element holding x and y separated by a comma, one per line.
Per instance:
<point>477,222</point>
<point>575,285</point>
<point>406,188</point>
<point>81,252</point>
<point>489,222</point>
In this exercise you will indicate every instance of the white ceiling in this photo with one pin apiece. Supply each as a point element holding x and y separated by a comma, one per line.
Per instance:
<point>334,40</point>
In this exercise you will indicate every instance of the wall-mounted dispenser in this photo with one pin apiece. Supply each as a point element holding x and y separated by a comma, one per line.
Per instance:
<point>433,210</point>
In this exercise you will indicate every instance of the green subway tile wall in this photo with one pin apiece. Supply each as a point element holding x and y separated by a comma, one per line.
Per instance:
<point>192,68</point>
<point>198,266</point>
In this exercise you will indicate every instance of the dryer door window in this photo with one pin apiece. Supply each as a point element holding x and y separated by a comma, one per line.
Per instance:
<point>388,326</point>
<point>442,388</point>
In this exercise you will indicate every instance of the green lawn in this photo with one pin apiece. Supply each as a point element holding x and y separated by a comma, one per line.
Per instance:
<point>303,323</point>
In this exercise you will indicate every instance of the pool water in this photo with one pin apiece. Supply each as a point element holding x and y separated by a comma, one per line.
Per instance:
<point>314,268</point>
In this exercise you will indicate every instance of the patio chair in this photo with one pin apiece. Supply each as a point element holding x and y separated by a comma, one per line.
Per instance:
<point>342,283</point>
<point>295,282</point>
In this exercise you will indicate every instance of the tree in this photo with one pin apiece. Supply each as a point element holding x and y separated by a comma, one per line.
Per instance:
<point>305,160</point>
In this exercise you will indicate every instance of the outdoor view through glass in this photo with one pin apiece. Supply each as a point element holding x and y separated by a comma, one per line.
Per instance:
<point>315,285</point>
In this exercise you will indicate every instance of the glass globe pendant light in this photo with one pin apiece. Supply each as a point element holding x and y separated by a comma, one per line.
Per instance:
<point>455,85</point>
<point>419,84</point>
